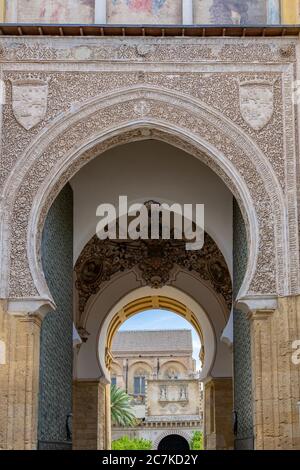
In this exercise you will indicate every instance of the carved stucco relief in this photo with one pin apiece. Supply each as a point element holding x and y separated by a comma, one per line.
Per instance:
<point>155,260</point>
<point>257,103</point>
<point>29,101</point>
<point>114,116</point>
<point>147,50</point>
<point>218,90</point>
<point>68,89</point>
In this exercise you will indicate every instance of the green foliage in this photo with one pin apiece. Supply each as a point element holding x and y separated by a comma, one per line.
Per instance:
<point>121,410</point>
<point>197,441</point>
<point>125,443</point>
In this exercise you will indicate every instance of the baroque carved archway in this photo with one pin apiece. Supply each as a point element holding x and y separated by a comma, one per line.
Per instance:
<point>154,260</point>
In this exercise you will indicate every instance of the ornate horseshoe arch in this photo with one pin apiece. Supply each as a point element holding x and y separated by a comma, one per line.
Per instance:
<point>128,115</point>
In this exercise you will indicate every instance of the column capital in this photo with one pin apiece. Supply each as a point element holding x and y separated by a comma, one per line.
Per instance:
<point>260,314</point>
<point>30,307</point>
<point>30,318</point>
<point>257,302</point>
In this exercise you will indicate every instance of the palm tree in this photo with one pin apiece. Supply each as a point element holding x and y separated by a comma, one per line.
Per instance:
<point>121,410</point>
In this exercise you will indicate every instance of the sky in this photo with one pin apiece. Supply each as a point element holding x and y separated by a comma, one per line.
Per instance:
<point>163,320</point>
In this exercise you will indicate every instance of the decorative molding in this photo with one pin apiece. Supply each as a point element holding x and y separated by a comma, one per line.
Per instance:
<point>286,51</point>
<point>252,303</point>
<point>258,315</point>
<point>152,50</point>
<point>30,307</point>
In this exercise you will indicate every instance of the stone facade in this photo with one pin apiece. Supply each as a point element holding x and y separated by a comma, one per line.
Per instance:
<point>164,95</point>
<point>169,399</point>
<point>19,381</point>
<point>157,370</point>
<point>228,102</point>
<point>163,360</point>
<point>218,434</point>
<point>90,427</point>
<point>276,379</point>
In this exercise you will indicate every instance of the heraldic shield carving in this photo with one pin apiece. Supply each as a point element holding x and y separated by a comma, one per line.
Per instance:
<point>257,103</point>
<point>29,101</point>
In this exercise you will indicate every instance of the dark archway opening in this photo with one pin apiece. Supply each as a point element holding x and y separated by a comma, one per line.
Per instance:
<point>173,443</point>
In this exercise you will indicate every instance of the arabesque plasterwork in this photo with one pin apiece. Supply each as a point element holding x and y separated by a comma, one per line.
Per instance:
<point>144,87</point>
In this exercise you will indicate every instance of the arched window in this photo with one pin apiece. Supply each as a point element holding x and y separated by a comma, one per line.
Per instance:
<point>139,382</point>
<point>139,385</point>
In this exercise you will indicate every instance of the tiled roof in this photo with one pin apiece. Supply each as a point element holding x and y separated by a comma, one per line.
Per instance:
<point>153,340</point>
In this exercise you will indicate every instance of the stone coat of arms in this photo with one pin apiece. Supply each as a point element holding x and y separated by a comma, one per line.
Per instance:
<point>257,103</point>
<point>29,101</point>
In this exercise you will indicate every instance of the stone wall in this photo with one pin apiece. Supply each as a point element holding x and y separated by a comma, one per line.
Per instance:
<point>276,377</point>
<point>218,433</point>
<point>181,365</point>
<point>91,426</point>
<point>55,399</point>
<point>19,376</point>
<point>167,399</point>
<point>242,340</point>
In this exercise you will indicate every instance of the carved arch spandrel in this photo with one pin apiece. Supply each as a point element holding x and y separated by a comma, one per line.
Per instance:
<point>176,119</point>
